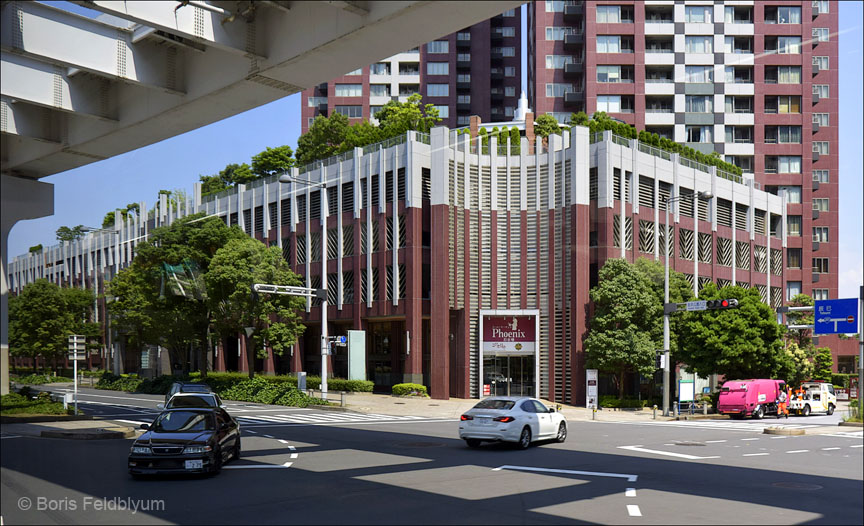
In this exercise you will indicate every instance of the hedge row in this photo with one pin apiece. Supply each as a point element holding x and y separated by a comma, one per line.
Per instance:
<point>21,404</point>
<point>612,401</point>
<point>409,390</point>
<point>41,379</point>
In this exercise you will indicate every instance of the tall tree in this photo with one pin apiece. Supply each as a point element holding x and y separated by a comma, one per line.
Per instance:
<point>738,343</point>
<point>797,365</point>
<point>626,325</point>
<point>272,161</point>
<point>325,137</point>
<point>396,118</point>
<point>680,290</point>
<point>823,364</point>
<point>801,336</point>
<point>64,233</point>
<point>274,318</point>
<point>545,125</point>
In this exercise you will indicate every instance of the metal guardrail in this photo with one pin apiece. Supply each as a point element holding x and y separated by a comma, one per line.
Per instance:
<point>332,396</point>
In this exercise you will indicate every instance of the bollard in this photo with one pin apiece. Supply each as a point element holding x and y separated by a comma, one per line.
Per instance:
<point>705,409</point>
<point>342,399</point>
<point>655,411</point>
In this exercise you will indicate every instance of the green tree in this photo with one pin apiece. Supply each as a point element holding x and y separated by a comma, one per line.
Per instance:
<point>35,249</point>
<point>627,323</point>
<point>579,119</point>
<point>275,318</point>
<point>396,118</point>
<point>64,233</point>
<point>361,134</point>
<point>801,336</point>
<point>738,343</point>
<point>273,161</point>
<point>325,137</point>
<point>545,125</point>
<point>108,220</point>
<point>680,290</point>
<point>797,364</point>
<point>515,141</point>
<point>823,364</point>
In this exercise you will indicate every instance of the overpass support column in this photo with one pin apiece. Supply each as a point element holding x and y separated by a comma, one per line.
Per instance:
<point>20,199</point>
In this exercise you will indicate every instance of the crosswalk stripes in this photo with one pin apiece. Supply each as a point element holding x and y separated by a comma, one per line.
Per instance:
<point>324,418</point>
<point>724,425</point>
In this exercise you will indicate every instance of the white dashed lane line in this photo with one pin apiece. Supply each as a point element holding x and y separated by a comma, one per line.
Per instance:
<point>714,441</point>
<point>749,439</point>
<point>633,510</point>
<point>859,445</point>
<point>631,492</point>
<point>830,448</point>
<point>799,451</point>
<point>755,454</point>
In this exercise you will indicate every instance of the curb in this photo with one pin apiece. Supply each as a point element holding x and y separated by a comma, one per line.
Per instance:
<point>782,431</point>
<point>851,424</point>
<point>40,419</point>
<point>703,417</point>
<point>106,433</point>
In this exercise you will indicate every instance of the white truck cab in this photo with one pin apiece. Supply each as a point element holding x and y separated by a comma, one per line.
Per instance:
<point>813,397</point>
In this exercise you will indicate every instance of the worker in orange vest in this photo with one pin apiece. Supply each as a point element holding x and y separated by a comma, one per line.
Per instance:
<point>782,408</point>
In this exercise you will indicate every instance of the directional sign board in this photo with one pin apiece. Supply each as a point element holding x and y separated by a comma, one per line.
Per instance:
<point>697,305</point>
<point>835,316</point>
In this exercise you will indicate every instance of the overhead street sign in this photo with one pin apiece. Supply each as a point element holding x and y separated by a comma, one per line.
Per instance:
<point>697,305</point>
<point>835,316</point>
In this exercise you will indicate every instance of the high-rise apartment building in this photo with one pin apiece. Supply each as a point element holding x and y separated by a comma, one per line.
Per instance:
<point>755,82</point>
<point>475,71</point>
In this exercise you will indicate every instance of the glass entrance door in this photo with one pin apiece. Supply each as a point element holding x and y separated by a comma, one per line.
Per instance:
<point>508,375</point>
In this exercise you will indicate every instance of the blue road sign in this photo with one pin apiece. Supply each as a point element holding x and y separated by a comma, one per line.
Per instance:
<point>835,316</point>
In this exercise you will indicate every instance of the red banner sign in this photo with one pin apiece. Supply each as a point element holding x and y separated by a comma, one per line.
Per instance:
<point>510,334</point>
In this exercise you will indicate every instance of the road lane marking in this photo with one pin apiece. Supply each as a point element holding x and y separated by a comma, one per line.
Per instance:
<point>287,464</point>
<point>349,423</point>
<point>667,453</point>
<point>283,441</point>
<point>631,492</point>
<point>292,448</point>
<point>250,431</point>
<point>799,451</point>
<point>829,448</point>
<point>263,466</point>
<point>859,445</point>
<point>630,478</point>
<point>294,455</point>
<point>714,441</point>
<point>266,436</point>
<point>633,510</point>
<point>777,438</point>
<point>749,439</point>
<point>755,454</point>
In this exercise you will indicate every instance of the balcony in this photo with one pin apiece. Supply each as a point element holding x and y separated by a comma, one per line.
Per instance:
<point>322,108</point>
<point>574,11</point>
<point>496,37</point>
<point>463,106</point>
<point>574,68</point>
<point>815,69</point>
<point>497,95</point>
<point>496,75</point>
<point>815,156</point>
<point>573,40</point>
<point>463,44</point>
<point>463,64</point>
<point>463,85</point>
<point>574,97</point>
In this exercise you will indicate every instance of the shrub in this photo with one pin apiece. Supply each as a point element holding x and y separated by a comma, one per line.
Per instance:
<point>114,382</point>
<point>40,379</point>
<point>18,404</point>
<point>409,390</point>
<point>262,391</point>
<point>612,401</point>
<point>840,379</point>
<point>355,386</point>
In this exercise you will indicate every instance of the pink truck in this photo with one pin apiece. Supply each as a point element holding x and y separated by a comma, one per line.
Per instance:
<point>756,398</point>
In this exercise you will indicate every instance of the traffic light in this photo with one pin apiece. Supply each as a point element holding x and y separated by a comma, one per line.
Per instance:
<point>722,304</point>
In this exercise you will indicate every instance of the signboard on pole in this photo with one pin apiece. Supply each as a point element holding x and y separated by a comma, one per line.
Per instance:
<point>356,341</point>
<point>591,401</point>
<point>835,316</point>
<point>686,391</point>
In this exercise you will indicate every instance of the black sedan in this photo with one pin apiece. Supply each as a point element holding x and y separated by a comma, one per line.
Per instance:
<point>186,440</point>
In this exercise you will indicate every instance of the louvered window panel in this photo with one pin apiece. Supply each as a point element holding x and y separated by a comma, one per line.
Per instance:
<point>363,291</point>
<point>485,255</point>
<point>646,191</point>
<point>689,278</point>
<point>724,251</point>
<point>315,283</point>
<point>474,179</point>
<point>301,208</point>
<point>665,193</point>
<point>706,247</point>
<point>724,212</point>
<point>389,233</point>
<point>375,236</point>
<point>568,197</point>
<point>744,285</point>
<point>259,219</point>
<point>501,257</point>
<point>375,283</point>
<point>593,184</point>
<point>646,236</point>
<point>685,204</point>
<point>776,297</point>
<point>703,280</point>
<point>616,185</point>
<point>486,185</point>
<point>628,232</point>
<point>661,238</point>
<point>759,222</point>
<point>286,250</point>
<point>315,246</point>
<point>348,239</point>
<point>760,259</point>
<point>333,199</point>
<point>558,181</point>
<point>515,188</point>
<point>315,205</point>
<point>426,183</point>
<point>389,283</point>
<point>332,243</point>
<point>286,212</point>
<point>403,281</point>
<point>723,283</point>
<point>515,260</point>
<point>348,287</point>
<point>740,216</point>
<point>364,197</point>
<point>501,185</point>
<point>274,214</point>
<point>376,195</point>
<point>776,262</point>
<point>403,231</point>
<point>763,293</point>
<point>388,191</point>
<point>301,250</point>
<point>685,244</point>
<point>742,255</point>
<point>400,183</point>
<point>347,197</point>
<point>531,184</point>
<point>333,288</point>
<point>247,221</point>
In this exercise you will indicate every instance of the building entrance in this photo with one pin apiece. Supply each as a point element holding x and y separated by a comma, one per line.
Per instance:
<point>508,375</point>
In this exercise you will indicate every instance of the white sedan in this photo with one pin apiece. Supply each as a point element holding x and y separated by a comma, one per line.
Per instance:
<point>512,419</point>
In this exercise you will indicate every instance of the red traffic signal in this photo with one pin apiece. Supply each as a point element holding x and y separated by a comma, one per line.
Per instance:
<point>722,304</point>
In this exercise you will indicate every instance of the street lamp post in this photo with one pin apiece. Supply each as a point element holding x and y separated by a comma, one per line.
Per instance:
<point>704,195</point>
<point>324,347</point>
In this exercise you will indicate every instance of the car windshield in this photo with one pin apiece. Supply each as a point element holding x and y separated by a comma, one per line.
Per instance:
<point>192,401</point>
<point>495,404</point>
<point>184,422</point>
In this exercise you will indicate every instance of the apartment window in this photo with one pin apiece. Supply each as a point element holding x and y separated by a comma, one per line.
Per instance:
<point>349,90</point>
<point>821,147</point>
<point>821,62</point>
<point>738,104</point>
<point>555,6</point>
<point>437,90</point>
<point>745,162</point>
<point>379,90</point>
<point>438,46</point>
<point>509,91</point>
<point>739,134</point>
<point>355,72</point>
<point>820,203</point>
<point>699,133</point>
<point>738,14</point>
<point>614,74</point>
<point>784,45</point>
<point>738,45</point>
<point>793,258</point>
<point>373,110</point>
<point>782,104</point>
<point>558,61</point>
<point>381,68</point>
<point>659,104</point>
<point>783,134</point>
<point>820,34</point>
<point>353,112</point>
<point>437,68</point>
<point>406,90</point>
<point>821,295</point>
<point>315,101</point>
<point>699,44</point>
<point>558,32</point>
<point>614,14</point>
<point>443,111</point>
<point>310,121</point>
<point>793,193</point>
<point>821,90</point>
<point>561,117</point>
<point>463,57</point>
<point>608,44</point>
<point>659,45</point>
<point>820,175</point>
<point>820,265</point>
<point>507,51</point>
<point>784,164</point>
<point>783,74</point>
<point>782,15</point>
<point>739,74</point>
<point>793,226</point>
<point>700,74</point>
<point>699,104</point>
<point>463,99</point>
<point>698,14</point>
<point>508,31</point>
<point>509,13</point>
<point>509,111</point>
<point>558,89</point>
<point>821,119</point>
<point>659,14</point>
<point>463,120</point>
<point>615,103</point>
<point>820,234</point>
<point>409,68</point>
<point>820,6</point>
<point>509,71</point>
<point>658,74</point>
<point>793,288</point>
<point>466,36</point>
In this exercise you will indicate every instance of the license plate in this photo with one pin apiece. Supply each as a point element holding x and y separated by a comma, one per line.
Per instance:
<point>484,421</point>
<point>194,464</point>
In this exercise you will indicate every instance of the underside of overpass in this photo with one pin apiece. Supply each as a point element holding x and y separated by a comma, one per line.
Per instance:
<point>79,89</point>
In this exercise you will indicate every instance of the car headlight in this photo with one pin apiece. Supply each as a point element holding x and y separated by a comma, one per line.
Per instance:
<point>141,450</point>
<point>197,449</point>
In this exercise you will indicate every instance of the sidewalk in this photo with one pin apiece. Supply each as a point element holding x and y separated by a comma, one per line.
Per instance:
<point>74,429</point>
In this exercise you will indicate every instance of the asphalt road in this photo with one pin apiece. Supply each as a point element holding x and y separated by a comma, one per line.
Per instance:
<point>309,466</point>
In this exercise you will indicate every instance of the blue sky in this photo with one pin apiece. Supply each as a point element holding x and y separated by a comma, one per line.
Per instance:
<point>84,195</point>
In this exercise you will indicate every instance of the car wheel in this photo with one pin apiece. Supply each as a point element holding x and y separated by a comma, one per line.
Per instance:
<point>830,409</point>
<point>235,454</point>
<point>758,413</point>
<point>562,433</point>
<point>217,463</point>
<point>524,438</point>
<point>472,442</point>
<point>806,410</point>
